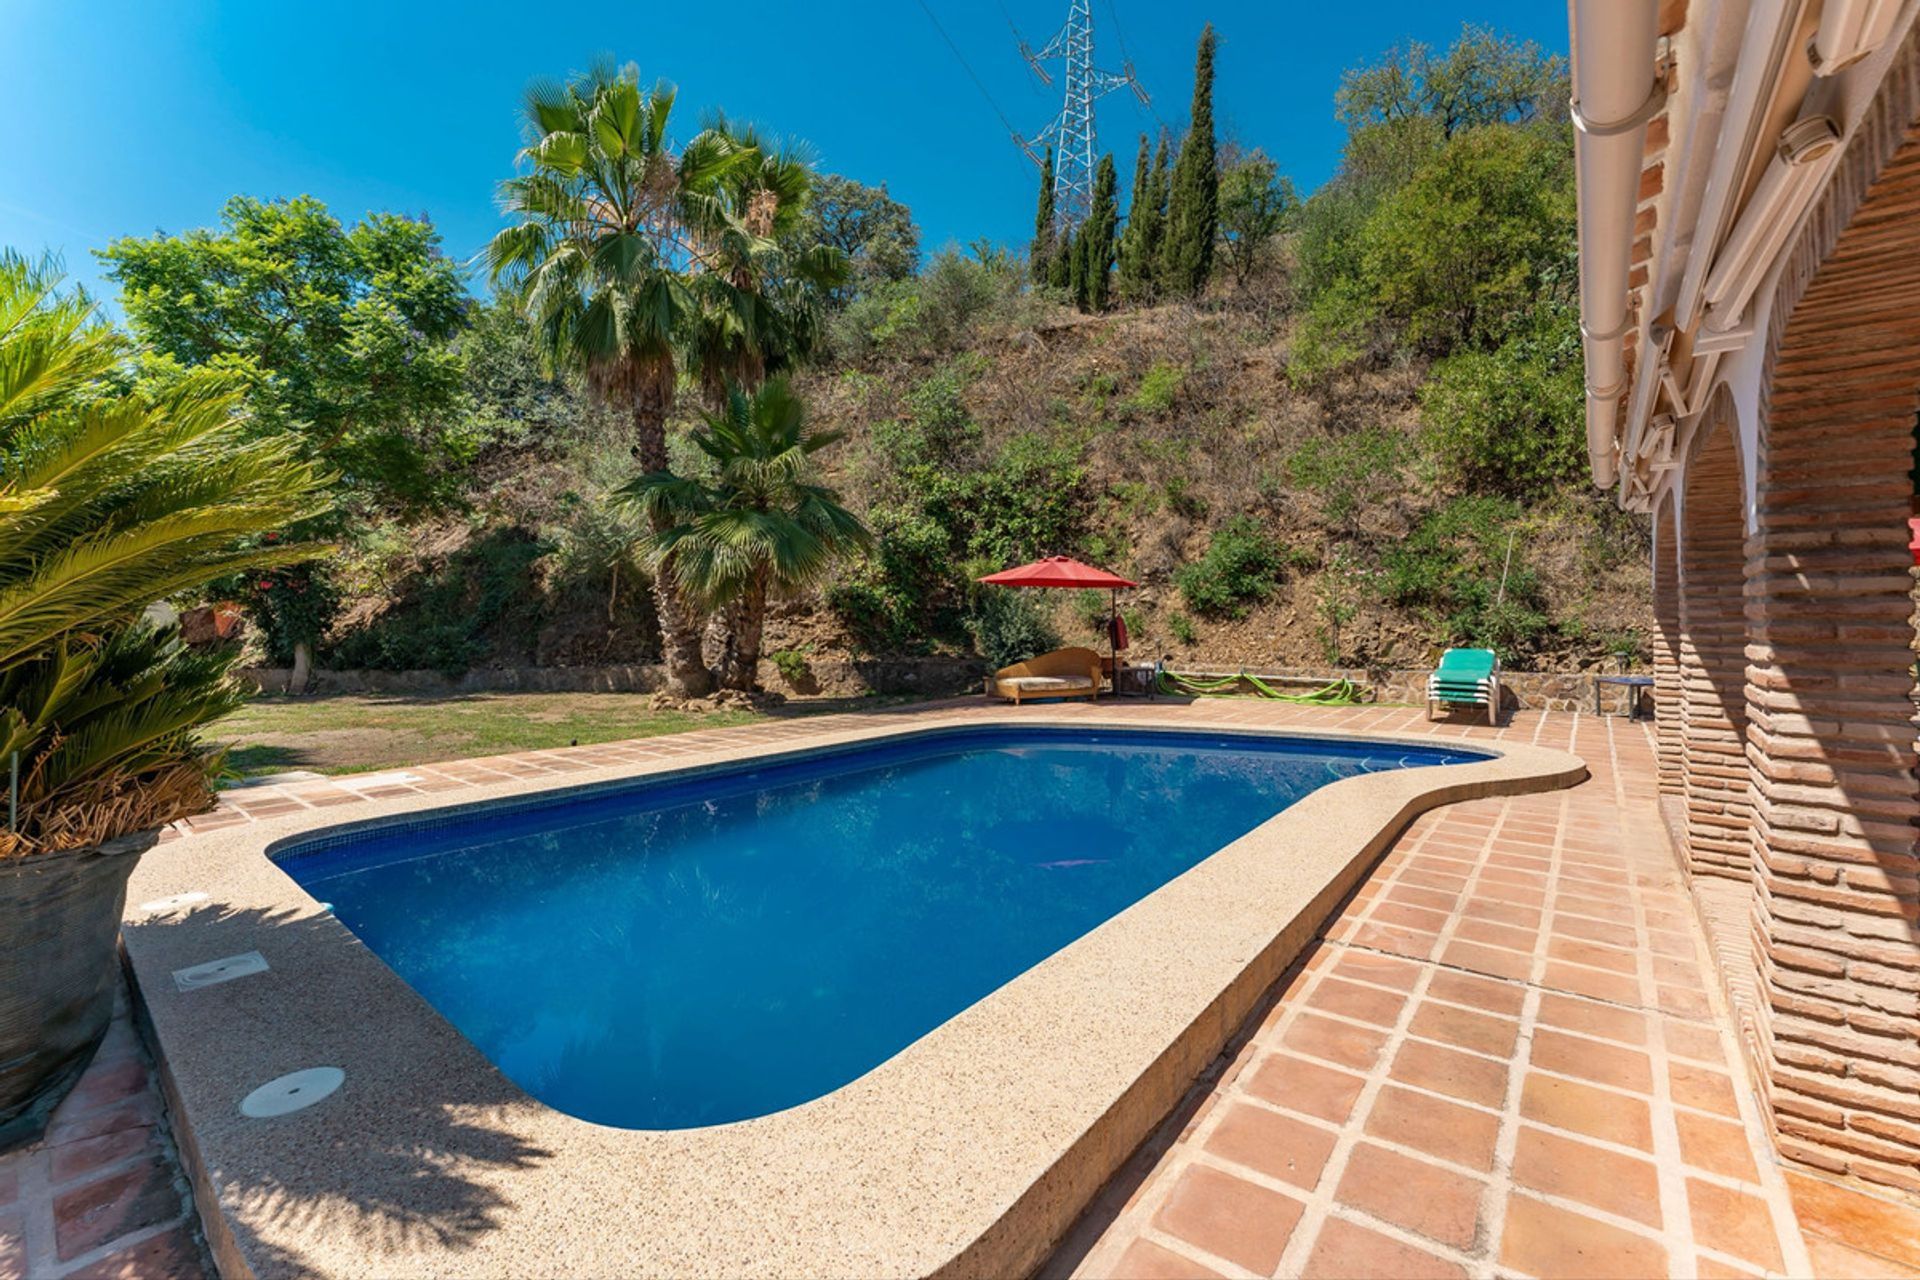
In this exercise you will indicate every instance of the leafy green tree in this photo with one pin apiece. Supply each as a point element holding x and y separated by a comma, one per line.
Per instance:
<point>1043,253</point>
<point>109,500</point>
<point>1139,254</point>
<point>1483,78</point>
<point>1096,240</point>
<point>607,215</point>
<point>1255,203</point>
<point>340,335</point>
<point>1513,420</point>
<point>1193,200</point>
<point>754,526</point>
<point>1060,268</point>
<point>875,232</point>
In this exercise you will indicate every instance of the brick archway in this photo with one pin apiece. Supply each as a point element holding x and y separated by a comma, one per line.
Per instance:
<point>1666,647</point>
<point>1830,688</point>
<point>1712,651</point>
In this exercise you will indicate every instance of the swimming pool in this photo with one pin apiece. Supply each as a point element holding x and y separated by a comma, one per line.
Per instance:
<point>691,952</point>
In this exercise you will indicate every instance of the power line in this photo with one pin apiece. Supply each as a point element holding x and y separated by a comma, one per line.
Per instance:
<point>1126,56</point>
<point>968,68</point>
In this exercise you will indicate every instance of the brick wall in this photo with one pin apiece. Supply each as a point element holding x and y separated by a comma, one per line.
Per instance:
<point>1666,648</point>
<point>1829,685</point>
<point>1712,652</point>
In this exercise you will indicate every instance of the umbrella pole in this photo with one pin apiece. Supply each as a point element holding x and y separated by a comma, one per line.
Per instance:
<point>1113,640</point>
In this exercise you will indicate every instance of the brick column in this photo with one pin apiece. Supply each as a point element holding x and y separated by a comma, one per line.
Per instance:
<point>1712,657</point>
<point>1666,649</point>
<point>1836,925</point>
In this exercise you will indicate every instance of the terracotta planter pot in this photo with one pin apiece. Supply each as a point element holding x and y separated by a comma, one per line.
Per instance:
<point>59,922</point>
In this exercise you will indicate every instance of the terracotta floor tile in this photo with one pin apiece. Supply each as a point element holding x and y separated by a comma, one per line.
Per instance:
<point>1546,1240</point>
<point>1305,1086</point>
<point>1494,934</point>
<point>1602,1063</point>
<point>1600,985</point>
<point>1698,1087</point>
<point>1583,1108</point>
<point>1690,1040</point>
<point>1345,1250</point>
<point>1718,1146</point>
<point>1458,1075</point>
<point>1229,1217</point>
<point>1479,993</point>
<point>1399,913</point>
<point>1680,1003</point>
<point>1502,913</point>
<point>1418,944</point>
<point>1426,1199</point>
<point>1733,1222</point>
<point>1496,961</point>
<point>1556,1165</point>
<point>1465,1028</point>
<point>1351,1000</point>
<point>1283,1148</point>
<point>1385,971</point>
<point>1439,1128</point>
<point>1341,1042</point>
<point>1606,1021</point>
<point>1715,1269</point>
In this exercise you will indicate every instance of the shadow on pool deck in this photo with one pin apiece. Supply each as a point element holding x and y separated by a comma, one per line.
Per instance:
<point>412,1179</point>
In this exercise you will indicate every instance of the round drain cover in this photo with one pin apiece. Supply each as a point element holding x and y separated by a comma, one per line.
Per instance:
<point>291,1092</point>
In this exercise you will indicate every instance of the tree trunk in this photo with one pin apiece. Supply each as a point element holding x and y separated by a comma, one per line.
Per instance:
<point>687,674</point>
<point>742,668</point>
<point>302,673</point>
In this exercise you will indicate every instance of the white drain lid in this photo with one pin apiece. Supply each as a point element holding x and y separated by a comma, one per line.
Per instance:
<point>214,972</point>
<point>292,1092</point>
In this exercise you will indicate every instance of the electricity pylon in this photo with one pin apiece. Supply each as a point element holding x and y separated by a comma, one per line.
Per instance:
<point>1072,133</point>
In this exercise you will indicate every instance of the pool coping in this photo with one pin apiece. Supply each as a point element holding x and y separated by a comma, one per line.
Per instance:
<point>970,1152</point>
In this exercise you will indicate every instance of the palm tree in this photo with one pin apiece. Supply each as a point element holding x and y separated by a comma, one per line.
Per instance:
<point>760,294</point>
<point>755,525</point>
<point>110,501</point>
<point>599,258</point>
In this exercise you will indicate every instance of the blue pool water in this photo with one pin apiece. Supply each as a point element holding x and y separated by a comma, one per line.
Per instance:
<point>691,953</point>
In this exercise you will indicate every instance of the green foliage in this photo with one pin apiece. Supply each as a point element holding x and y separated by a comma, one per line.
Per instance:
<point>1008,626</point>
<point>1182,628</point>
<point>1482,79</point>
<point>1041,254</point>
<point>445,616</point>
<point>900,597</point>
<point>1255,203</point>
<point>875,232</point>
<point>1350,471</point>
<point>937,311</point>
<point>1512,420</point>
<point>1241,567</point>
<point>112,500</point>
<point>1139,250</point>
<point>1193,200</point>
<point>1095,243</point>
<point>1158,388</point>
<point>1092,609</point>
<point>1452,566</point>
<point>792,664</point>
<point>340,337</point>
<point>291,605</point>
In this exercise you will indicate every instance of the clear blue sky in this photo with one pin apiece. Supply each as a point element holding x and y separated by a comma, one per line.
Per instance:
<point>131,117</point>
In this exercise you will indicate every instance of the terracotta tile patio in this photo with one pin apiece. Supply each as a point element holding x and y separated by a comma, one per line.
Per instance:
<point>1506,1055</point>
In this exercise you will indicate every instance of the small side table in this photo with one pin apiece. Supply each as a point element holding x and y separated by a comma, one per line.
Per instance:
<point>1634,686</point>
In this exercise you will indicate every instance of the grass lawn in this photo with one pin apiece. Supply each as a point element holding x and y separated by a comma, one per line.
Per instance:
<point>349,733</point>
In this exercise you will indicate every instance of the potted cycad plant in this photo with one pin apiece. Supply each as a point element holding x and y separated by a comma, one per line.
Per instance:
<point>110,499</point>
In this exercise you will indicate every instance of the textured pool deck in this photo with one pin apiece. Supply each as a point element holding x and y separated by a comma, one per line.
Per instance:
<point>1505,1056</point>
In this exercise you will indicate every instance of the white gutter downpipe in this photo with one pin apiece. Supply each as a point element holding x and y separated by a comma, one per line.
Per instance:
<point>1613,98</point>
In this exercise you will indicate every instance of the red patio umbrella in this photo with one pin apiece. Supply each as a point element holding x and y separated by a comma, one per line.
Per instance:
<point>1064,571</point>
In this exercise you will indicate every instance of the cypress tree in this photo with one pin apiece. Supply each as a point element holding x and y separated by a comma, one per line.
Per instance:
<point>1074,254</point>
<point>1040,257</point>
<point>1146,227</point>
<point>1097,237</point>
<point>1129,281</point>
<point>1060,265</point>
<point>1193,204</point>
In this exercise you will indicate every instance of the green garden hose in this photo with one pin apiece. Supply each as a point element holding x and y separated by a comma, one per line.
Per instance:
<point>1335,693</point>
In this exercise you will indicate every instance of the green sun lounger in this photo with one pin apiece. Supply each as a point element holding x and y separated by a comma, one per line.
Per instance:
<point>1467,677</point>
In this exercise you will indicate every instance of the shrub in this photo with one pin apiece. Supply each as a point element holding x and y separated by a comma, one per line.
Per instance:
<point>791,664</point>
<point>1092,609</point>
<point>1182,628</point>
<point>1008,626</point>
<point>899,598</point>
<point>1158,388</point>
<point>1349,471</point>
<point>1452,565</point>
<point>1242,566</point>
<point>1513,419</point>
